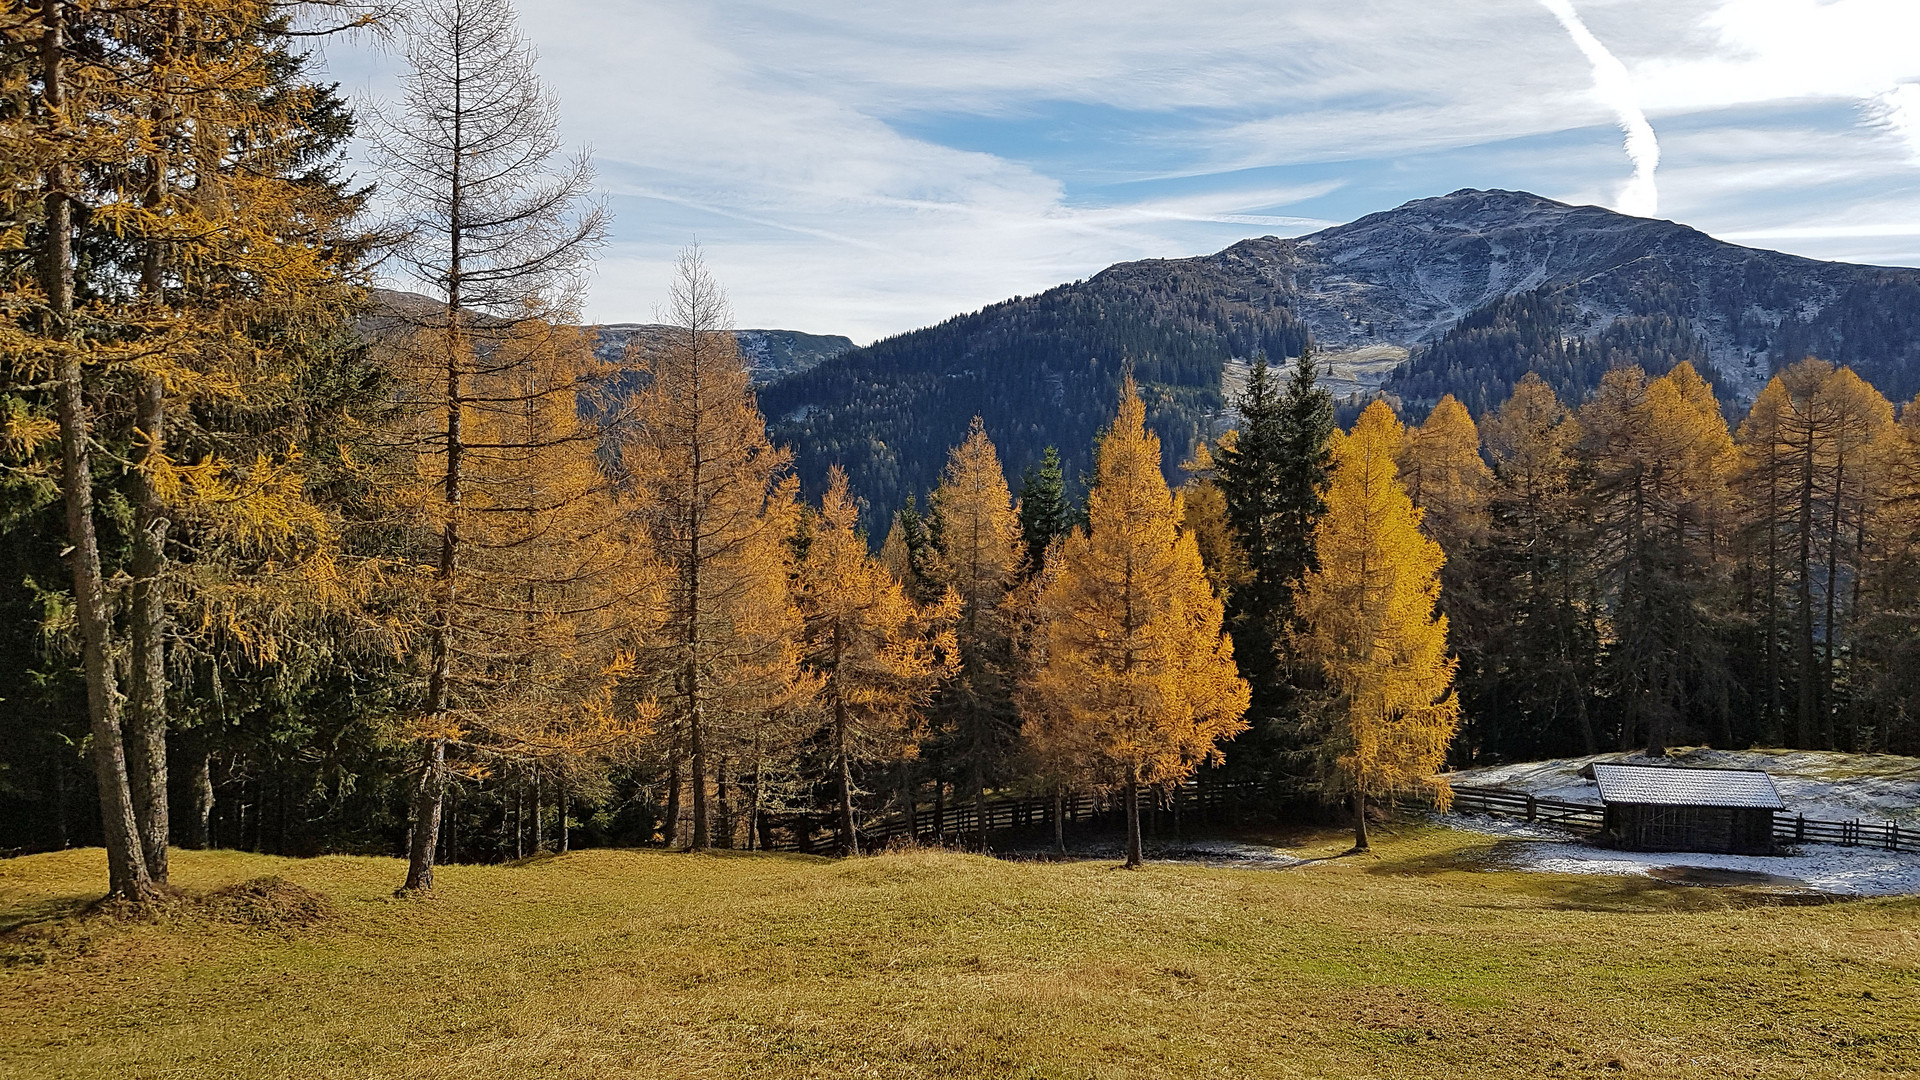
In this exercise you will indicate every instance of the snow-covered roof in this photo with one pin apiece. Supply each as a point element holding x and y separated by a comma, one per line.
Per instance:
<point>1661,786</point>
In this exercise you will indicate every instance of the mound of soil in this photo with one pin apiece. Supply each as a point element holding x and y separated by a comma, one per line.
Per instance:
<point>268,902</point>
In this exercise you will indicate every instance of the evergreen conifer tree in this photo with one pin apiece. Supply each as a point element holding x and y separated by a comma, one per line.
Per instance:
<point>1045,513</point>
<point>1273,474</point>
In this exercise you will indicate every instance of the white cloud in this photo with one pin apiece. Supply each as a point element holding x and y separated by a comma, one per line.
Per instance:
<point>1641,195</point>
<point>867,167</point>
<point>1898,110</point>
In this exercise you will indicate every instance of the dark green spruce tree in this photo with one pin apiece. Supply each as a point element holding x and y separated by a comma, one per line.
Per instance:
<point>1045,513</point>
<point>1273,477</point>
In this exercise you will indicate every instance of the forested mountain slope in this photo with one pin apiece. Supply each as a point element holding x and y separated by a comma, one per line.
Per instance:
<point>1473,289</point>
<point>771,354</point>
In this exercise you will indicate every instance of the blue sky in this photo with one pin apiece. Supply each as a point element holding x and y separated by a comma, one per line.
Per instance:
<point>869,167</point>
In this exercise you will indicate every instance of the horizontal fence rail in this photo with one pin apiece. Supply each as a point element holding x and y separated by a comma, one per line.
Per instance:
<point>960,820</point>
<point>1798,829</point>
<point>1490,801</point>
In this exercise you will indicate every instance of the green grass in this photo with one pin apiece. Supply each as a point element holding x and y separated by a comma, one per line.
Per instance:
<point>935,964</point>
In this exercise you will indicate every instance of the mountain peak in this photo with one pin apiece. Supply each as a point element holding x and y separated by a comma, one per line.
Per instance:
<point>1462,293</point>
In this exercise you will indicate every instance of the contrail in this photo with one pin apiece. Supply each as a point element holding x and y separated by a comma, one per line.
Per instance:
<point>1640,197</point>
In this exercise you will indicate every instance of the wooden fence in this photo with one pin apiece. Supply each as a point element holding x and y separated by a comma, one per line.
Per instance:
<point>1571,815</point>
<point>960,821</point>
<point>1591,817</point>
<point>1878,834</point>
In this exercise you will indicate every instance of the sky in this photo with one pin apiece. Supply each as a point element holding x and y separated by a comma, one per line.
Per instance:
<point>866,168</point>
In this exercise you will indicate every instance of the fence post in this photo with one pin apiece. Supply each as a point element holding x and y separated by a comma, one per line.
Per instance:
<point>1800,829</point>
<point>1532,808</point>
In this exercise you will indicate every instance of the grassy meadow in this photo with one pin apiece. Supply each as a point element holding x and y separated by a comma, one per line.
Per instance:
<point>1409,963</point>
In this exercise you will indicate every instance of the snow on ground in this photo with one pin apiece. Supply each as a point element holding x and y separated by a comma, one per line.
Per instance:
<point>1824,868</point>
<point>1820,784</point>
<point>1826,786</point>
<point>1232,854</point>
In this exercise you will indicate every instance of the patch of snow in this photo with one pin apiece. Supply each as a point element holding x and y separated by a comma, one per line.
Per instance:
<point>1845,871</point>
<point>1227,854</point>
<point>1510,827</point>
<point>1231,853</point>
<point>1818,784</point>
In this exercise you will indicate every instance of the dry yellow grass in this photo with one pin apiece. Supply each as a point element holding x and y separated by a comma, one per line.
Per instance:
<point>934,964</point>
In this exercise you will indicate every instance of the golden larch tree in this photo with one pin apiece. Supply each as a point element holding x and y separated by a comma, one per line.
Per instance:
<point>876,654</point>
<point>718,501</point>
<point>977,555</point>
<point>1369,621</point>
<point>1131,682</point>
<point>1205,507</point>
<point>1809,453</point>
<point>209,245</point>
<point>1887,643</point>
<point>1442,470</point>
<point>1659,459</point>
<point>561,584</point>
<point>498,229</point>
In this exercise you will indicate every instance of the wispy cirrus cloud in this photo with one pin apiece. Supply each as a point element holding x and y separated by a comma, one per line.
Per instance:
<point>865,168</point>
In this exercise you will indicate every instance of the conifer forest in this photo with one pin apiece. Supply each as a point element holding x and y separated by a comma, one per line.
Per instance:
<point>1479,637</point>
<point>288,573</point>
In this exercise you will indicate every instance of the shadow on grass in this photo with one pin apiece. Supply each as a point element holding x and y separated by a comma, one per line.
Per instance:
<point>20,920</point>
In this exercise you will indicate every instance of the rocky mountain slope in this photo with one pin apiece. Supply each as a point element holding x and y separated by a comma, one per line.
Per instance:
<point>1459,294</point>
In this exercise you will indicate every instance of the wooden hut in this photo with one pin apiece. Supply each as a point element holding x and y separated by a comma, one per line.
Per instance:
<point>1657,808</point>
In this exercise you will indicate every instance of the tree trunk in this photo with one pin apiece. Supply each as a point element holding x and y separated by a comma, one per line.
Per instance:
<point>702,837</point>
<point>1832,592</point>
<point>426,816</point>
<point>1059,823</point>
<point>127,876</point>
<point>1133,824</point>
<point>1360,820</point>
<point>147,703</point>
<point>758,794</point>
<point>126,857</point>
<point>203,799</point>
<point>1804,597</point>
<point>539,815</point>
<point>849,840</point>
<point>566,825</point>
<point>670,829</point>
<point>939,811</point>
<point>723,803</point>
